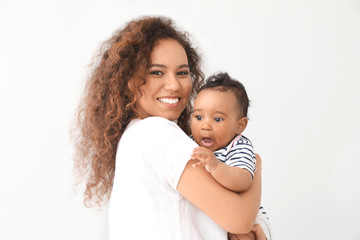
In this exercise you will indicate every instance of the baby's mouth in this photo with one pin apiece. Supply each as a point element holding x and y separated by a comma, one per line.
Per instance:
<point>207,142</point>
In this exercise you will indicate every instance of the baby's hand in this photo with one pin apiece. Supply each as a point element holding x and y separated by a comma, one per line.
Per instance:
<point>206,158</point>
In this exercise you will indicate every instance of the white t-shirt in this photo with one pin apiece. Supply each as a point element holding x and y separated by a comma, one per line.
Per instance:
<point>145,204</point>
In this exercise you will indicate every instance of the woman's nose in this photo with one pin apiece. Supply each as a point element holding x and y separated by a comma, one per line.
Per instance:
<point>172,83</point>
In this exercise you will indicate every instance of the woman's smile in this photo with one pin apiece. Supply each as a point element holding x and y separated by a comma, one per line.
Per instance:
<point>170,101</point>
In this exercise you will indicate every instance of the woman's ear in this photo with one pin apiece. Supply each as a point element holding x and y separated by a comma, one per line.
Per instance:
<point>241,125</point>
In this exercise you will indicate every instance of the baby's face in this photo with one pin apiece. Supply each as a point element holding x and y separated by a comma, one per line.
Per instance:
<point>216,119</point>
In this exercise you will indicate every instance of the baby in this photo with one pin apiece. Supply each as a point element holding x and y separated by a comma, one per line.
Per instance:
<point>217,123</point>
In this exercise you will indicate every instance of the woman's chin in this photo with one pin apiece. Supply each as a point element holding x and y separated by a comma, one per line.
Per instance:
<point>171,118</point>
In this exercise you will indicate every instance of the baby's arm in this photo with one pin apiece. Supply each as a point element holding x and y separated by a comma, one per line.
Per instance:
<point>233,178</point>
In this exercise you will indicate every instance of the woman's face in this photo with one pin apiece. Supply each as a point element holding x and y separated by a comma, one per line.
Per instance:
<point>168,84</point>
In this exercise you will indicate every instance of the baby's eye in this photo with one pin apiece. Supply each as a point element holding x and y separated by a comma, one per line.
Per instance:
<point>198,117</point>
<point>157,73</point>
<point>218,119</point>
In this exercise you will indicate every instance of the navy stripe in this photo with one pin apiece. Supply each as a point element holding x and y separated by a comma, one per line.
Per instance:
<point>238,153</point>
<point>247,156</point>
<point>241,160</point>
<point>245,144</point>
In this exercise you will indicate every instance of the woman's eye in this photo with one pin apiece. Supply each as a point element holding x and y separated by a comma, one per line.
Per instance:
<point>183,73</point>
<point>198,117</point>
<point>157,73</point>
<point>218,119</point>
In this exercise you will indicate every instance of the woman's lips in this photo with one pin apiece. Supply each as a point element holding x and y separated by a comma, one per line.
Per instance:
<point>170,102</point>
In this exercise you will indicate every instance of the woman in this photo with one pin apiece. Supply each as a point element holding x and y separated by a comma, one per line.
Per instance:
<point>144,82</point>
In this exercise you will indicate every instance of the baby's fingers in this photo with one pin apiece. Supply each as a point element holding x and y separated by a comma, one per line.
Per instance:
<point>198,155</point>
<point>198,164</point>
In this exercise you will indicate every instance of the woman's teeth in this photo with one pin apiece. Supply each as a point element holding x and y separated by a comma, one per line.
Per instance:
<point>169,100</point>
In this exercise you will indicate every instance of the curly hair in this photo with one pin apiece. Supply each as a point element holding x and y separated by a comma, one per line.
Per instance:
<point>109,101</point>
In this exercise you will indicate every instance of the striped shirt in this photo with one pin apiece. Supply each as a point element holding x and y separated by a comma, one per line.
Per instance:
<point>239,153</point>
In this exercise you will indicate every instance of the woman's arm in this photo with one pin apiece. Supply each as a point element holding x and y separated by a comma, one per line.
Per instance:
<point>232,211</point>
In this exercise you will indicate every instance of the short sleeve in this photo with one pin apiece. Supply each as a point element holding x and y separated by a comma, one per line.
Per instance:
<point>168,149</point>
<point>239,153</point>
<point>242,155</point>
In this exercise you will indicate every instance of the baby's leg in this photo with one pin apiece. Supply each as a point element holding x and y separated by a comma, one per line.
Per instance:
<point>263,220</point>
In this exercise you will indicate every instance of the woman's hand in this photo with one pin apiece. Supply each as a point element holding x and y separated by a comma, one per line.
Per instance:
<point>249,236</point>
<point>256,234</point>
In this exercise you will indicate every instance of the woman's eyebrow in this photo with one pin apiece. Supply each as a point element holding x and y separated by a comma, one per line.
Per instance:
<point>163,66</point>
<point>158,65</point>
<point>184,66</point>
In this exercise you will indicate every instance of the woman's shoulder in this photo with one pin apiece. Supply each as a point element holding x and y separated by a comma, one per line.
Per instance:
<point>158,120</point>
<point>153,123</point>
<point>157,132</point>
<point>153,127</point>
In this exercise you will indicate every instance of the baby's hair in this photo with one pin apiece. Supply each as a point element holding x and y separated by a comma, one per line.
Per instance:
<point>223,82</point>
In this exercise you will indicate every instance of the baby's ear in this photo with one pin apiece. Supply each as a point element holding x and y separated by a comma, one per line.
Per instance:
<point>241,125</point>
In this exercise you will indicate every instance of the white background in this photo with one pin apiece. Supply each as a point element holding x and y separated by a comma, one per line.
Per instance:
<point>299,60</point>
